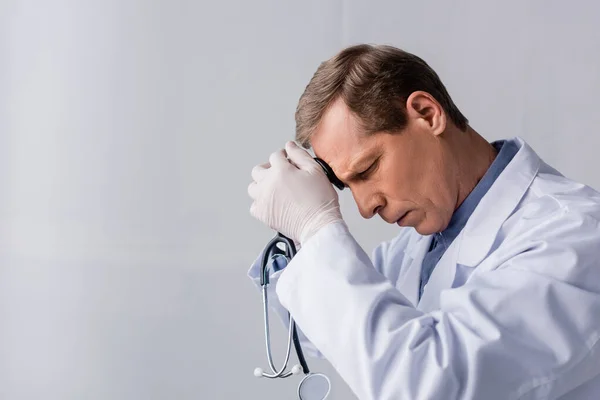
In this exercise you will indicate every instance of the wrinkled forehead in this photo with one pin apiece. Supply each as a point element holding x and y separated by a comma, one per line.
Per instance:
<point>338,139</point>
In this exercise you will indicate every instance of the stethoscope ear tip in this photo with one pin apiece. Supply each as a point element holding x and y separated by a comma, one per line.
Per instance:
<point>296,369</point>
<point>258,372</point>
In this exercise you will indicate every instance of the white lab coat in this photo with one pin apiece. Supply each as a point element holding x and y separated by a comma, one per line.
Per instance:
<point>511,311</point>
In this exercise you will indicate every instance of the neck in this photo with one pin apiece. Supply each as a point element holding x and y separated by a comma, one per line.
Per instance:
<point>473,155</point>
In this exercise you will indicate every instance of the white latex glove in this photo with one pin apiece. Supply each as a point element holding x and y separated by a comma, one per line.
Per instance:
<point>293,197</point>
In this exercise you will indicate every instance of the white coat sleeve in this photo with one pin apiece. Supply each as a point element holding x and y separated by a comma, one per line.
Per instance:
<point>513,332</point>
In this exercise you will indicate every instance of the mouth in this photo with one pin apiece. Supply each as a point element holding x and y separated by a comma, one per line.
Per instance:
<point>399,221</point>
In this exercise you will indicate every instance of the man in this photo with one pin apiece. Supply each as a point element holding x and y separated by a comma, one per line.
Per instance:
<point>491,290</point>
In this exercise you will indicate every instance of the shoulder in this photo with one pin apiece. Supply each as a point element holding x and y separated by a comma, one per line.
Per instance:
<point>553,197</point>
<point>554,231</point>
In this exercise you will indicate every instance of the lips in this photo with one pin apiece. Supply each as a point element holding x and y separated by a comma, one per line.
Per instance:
<point>399,220</point>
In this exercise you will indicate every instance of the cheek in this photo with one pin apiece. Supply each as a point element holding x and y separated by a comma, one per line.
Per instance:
<point>417,180</point>
<point>396,183</point>
<point>423,184</point>
<point>437,192</point>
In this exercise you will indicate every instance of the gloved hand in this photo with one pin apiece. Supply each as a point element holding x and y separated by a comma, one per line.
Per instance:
<point>293,196</point>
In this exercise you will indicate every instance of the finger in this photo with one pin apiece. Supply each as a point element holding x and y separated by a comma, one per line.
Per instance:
<point>253,190</point>
<point>254,210</point>
<point>279,159</point>
<point>300,157</point>
<point>259,171</point>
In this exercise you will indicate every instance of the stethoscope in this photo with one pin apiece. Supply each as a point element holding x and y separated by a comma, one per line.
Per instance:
<point>314,386</point>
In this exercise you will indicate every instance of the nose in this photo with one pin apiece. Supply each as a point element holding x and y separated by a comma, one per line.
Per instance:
<point>368,202</point>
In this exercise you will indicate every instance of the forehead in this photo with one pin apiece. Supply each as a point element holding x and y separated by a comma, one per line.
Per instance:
<point>338,139</point>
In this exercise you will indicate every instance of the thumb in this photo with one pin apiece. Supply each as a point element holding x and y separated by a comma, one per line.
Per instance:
<point>300,157</point>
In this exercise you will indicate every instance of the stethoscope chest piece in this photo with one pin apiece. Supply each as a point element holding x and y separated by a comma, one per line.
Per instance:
<point>314,386</point>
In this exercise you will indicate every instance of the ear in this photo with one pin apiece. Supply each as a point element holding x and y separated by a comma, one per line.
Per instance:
<point>426,111</point>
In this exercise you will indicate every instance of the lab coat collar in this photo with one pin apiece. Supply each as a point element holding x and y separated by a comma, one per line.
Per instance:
<point>498,203</point>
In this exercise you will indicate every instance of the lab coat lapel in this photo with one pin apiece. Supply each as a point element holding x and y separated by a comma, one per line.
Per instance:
<point>410,275</point>
<point>441,278</point>
<point>496,206</point>
<point>474,242</point>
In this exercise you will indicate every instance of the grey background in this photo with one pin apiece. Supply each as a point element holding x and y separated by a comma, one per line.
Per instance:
<point>128,130</point>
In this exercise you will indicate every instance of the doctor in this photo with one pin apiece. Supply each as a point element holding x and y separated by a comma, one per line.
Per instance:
<point>491,289</point>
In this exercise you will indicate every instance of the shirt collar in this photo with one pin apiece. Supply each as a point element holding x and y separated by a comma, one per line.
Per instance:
<point>506,152</point>
<point>498,203</point>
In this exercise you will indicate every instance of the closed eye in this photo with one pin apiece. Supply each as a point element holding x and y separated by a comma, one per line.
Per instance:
<point>366,173</point>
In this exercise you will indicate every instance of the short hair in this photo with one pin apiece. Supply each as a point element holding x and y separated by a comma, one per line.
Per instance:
<point>374,82</point>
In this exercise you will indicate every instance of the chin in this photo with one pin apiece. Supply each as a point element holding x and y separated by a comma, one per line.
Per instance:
<point>427,227</point>
<point>423,231</point>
